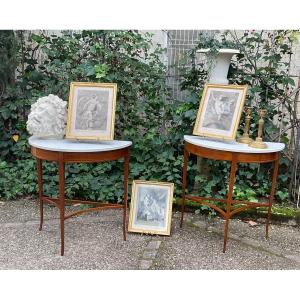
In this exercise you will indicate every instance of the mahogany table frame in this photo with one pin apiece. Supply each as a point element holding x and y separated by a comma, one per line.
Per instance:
<point>62,158</point>
<point>235,158</point>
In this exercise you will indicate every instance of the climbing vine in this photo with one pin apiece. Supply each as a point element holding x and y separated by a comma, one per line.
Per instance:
<point>146,114</point>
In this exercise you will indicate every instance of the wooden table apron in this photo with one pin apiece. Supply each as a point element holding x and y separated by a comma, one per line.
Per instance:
<point>235,158</point>
<point>78,157</point>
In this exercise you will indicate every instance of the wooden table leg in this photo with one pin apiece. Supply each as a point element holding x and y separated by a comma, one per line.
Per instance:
<point>61,175</point>
<point>126,172</point>
<point>40,189</point>
<point>185,161</point>
<point>271,197</point>
<point>229,200</point>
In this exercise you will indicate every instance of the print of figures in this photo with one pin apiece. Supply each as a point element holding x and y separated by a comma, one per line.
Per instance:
<point>92,109</point>
<point>151,206</point>
<point>220,110</point>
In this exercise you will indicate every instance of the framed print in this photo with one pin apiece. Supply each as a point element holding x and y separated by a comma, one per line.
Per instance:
<point>151,207</point>
<point>220,111</point>
<point>91,111</point>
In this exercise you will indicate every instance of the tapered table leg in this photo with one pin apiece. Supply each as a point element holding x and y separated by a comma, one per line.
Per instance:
<point>126,172</point>
<point>185,161</point>
<point>229,200</point>
<point>271,197</point>
<point>61,175</point>
<point>40,188</point>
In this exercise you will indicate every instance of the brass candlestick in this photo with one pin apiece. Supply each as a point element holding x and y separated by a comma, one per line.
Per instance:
<point>258,143</point>
<point>245,139</point>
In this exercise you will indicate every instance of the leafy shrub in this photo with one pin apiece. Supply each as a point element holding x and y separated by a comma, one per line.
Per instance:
<point>47,65</point>
<point>264,65</point>
<point>145,113</point>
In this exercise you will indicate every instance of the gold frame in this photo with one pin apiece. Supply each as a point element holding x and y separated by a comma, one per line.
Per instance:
<point>133,207</point>
<point>69,134</point>
<point>200,110</point>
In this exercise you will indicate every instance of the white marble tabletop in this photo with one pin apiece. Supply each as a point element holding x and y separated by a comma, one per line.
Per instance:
<point>231,146</point>
<point>65,145</point>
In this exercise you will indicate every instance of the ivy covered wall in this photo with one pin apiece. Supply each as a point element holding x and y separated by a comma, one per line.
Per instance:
<point>147,113</point>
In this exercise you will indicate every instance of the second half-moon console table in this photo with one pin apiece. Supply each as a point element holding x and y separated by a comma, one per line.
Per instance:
<point>67,151</point>
<point>235,153</point>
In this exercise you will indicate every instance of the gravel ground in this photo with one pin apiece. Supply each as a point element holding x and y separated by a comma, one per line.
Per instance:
<point>285,238</point>
<point>191,247</point>
<point>94,241</point>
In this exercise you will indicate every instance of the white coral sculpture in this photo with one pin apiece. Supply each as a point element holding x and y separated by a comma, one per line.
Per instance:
<point>47,117</point>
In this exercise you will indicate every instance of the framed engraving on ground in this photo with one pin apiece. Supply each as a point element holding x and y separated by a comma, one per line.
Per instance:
<point>151,207</point>
<point>220,111</point>
<point>91,111</point>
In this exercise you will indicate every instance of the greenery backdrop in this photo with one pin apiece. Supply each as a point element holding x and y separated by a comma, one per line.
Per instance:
<point>146,114</point>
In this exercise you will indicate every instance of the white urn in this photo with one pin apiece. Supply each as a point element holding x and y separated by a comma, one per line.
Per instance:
<point>220,65</point>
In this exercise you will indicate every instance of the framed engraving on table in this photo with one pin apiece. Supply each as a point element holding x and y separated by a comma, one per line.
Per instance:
<point>151,207</point>
<point>220,111</point>
<point>91,111</point>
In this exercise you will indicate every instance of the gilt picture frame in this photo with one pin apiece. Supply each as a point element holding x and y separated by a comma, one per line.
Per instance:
<point>91,111</point>
<point>220,111</point>
<point>151,207</point>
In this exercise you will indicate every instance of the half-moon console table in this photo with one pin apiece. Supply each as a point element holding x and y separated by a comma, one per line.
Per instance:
<point>68,151</point>
<point>236,153</point>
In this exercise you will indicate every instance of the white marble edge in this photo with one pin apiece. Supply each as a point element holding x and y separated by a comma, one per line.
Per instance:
<point>66,145</point>
<point>231,146</point>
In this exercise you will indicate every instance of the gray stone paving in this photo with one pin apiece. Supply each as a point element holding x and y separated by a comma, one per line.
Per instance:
<point>199,246</point>
<point>94,241</point>
<point>149,254</point>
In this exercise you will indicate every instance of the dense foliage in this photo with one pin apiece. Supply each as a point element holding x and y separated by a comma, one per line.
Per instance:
<point>47,65</point>
<point>264,65</point>
<point>145,113</point>
<point>8,49</point>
